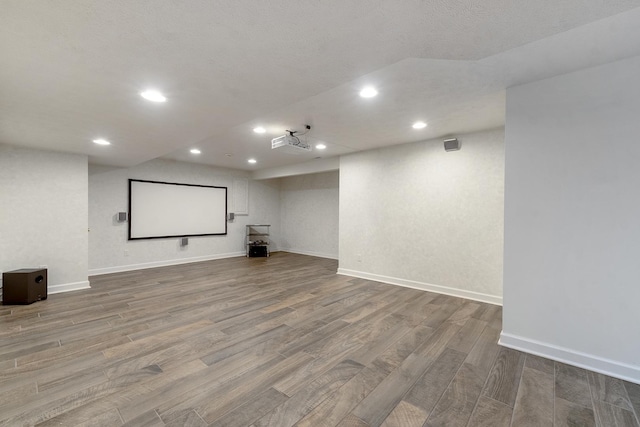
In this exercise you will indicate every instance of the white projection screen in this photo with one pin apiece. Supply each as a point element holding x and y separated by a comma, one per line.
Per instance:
<point>164,209</point>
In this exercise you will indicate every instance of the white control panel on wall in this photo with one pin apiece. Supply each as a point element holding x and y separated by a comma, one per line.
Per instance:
<point>240,197</point>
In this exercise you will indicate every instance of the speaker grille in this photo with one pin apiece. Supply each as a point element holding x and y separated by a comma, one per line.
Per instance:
<point>451,144</point>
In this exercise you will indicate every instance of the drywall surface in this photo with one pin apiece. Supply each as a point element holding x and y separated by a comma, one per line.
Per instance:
<point>418,216</point>
<point>309,212</point>
<point>109,249</point>
<point>43,214</point>
<point>572,236</point>
<point>314,166</point>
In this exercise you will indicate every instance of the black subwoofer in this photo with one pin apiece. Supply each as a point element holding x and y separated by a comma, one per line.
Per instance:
<point>258,251</point>
<point>24,286</point>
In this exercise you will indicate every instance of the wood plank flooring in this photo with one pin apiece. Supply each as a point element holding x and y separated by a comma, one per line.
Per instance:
<point>281,341</point>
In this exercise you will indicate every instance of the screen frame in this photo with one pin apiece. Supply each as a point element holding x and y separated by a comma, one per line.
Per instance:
<point>226,210</point>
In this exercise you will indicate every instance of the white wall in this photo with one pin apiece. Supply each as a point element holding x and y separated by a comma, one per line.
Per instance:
<point>309,214</point>
<point>418,216</point>
<point>317,165</point>
<point>43,215</point>
<point>109,249</point>
<point>572,218</point>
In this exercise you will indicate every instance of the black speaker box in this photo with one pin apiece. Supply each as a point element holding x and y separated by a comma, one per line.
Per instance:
<point>24,286</point>
<point>257,251</point>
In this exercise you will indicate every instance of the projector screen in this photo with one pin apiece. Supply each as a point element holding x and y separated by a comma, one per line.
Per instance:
<point>165,209</point>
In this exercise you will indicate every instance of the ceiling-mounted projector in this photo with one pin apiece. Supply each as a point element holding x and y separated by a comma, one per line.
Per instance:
<point>290,143</point>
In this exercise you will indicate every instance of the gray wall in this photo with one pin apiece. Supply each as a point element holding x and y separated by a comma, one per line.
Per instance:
<point>43,214</point>
<point>309,214</point>
<point>572,210</point>
<point>418,216</point>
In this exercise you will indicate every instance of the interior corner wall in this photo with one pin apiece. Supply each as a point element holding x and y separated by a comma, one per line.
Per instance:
<point>572,210</point>
<point>418,216</point>
<point>43,215</point>
<point>309,214</point>
<point>109,247</point>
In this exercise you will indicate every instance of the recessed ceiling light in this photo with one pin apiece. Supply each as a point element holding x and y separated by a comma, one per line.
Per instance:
<point>195,151</point>
<point>101,141</point>
<point>228,154</point>
<point>153,95</point>
<point>259,129</point>
<point>419,125</point>
<point>252,161</point>
<point>368,92</point>
<point>321,146</point>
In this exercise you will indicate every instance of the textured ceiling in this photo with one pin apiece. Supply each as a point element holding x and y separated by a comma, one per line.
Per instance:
<point>71,70</point>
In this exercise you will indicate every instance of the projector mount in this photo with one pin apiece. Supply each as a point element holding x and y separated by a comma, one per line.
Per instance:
<point>307,127</point>
<point>296,133</point>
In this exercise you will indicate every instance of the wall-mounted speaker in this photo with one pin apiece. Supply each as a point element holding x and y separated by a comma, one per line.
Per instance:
<point>184,241</point>
<point>231,216</point>
<point>451,144</point>
<point>122,216</point>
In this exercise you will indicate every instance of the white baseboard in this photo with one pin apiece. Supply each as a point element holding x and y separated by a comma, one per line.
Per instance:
<point>316,254</point>
<point>604,366</point>
<point>476,296</point>
<point>68,287</point>
<point>142,266</point>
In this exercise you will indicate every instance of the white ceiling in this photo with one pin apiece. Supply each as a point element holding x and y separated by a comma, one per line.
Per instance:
<point>71,71</point>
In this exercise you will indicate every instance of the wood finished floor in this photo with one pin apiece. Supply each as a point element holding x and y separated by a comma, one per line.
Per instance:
<point>279,342</point>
